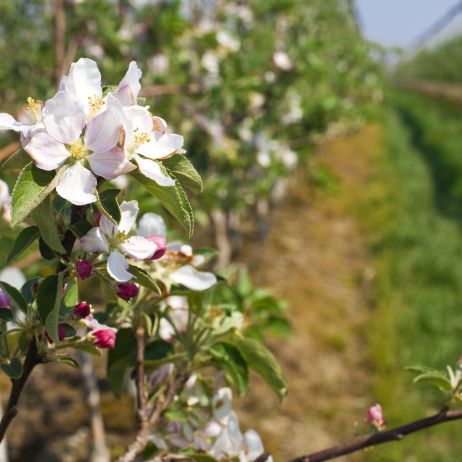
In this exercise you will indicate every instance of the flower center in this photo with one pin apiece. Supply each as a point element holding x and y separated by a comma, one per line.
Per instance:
<point>34,106</point>
<point>95,103</point>
<point>77,150</point>
<point>141,137</point>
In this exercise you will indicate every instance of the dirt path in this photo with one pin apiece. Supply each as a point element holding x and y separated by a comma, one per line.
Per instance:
<point>316,259</point>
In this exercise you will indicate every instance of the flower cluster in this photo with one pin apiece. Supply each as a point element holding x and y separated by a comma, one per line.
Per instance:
<point>92,133</point>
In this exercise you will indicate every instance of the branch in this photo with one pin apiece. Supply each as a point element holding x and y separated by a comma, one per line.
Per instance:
<point>143,436</point>
<point>140,379</point>
<point>395,434</point>
<point>11,410</point>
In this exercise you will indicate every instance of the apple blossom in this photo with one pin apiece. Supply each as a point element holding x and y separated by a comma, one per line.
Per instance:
<point>114,240</point>
<point>375,417</point>
<point>152,227</point>
<point>82,310</point>
<point>104,338</point>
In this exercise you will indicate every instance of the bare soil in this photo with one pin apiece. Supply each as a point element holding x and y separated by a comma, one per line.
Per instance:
<point>316,258</point>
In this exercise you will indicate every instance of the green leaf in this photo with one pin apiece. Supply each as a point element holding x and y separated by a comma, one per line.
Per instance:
<point>44,217</point>
<point>48,303</point>
<point>6,314</point>
<point>71,297</point>
<point>431,376</point>
<point>157,350</point>
<point>25,238</point>
<point>108,205</point>
<point>232,363</point>
<point>81,228</point>
<point>18,301</point>
<point>144,279</point>
<point>45,251</point>
<point>183,170</point>
<point>69,361</point>
<point>18,160</point>
<point>262,361</point>
<point>13,369</point>
<point>120,359</point>
<point>32,186</point>
<point>173,198</point>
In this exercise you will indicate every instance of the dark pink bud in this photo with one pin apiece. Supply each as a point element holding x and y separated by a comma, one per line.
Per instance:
<point>161,243</point>
<point>104,338</point>
<point>127,290</point>
<point>84,268</point>
<point>5,301</point>
<point>82,310</point>
<point>96,218</point>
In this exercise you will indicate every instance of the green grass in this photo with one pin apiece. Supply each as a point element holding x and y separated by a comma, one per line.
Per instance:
<point>413,213</point>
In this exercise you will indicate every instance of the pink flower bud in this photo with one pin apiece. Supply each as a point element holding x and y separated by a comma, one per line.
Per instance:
<point>104,338</point>
<point>96,218</point>
<point>127,290</point>
<point>161,243</point>
<point>84,268</point>
<point>5,301</point>
<point>82,310</point>
<point>375,417</point>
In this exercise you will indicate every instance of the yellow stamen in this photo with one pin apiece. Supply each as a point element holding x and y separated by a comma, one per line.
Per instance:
<point>141,138</point>
<point>34,106</point>
<point>77,150</point>
<point>95,103</point>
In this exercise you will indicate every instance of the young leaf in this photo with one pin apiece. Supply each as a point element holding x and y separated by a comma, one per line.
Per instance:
<point>48,302</point>
<point>108,205</point>
<point>262,361</point>
<point>183,170</point>
<point>18,160</point>
<point>44,217</point>
<point>233,365</point>
<point>69,361</point>
<point>45,251</point>
<point>173,198</point>
<point>15,296</point>
<point>71,297</point>
<point>23,241</point>
<point>81,228</point>
<point>143,279</point>
<point>32,186</point>
<point>13,369</point>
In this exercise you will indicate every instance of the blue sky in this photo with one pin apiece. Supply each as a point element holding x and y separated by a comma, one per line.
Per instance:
<point>399,22</point>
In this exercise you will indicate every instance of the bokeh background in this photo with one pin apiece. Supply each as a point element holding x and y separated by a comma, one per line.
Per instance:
<point>329,137</point>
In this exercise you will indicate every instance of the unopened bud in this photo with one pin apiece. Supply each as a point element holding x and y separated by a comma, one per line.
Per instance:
<point>127,290</point>
<point>82,310</point>
<point>5,301</point>
<point>375,417</point>
<point>84,268</point>
<point>104,338</point>
<point>161,243</point>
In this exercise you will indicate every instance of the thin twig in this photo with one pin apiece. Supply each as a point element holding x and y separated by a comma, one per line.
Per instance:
<point>395,434</point>
<point>32,359</point>
<point>140,378</point>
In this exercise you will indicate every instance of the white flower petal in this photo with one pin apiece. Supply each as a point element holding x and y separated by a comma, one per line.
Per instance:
<point>140,118</point>
<point>77,185</point>
<point>152,224</point>
<point>117,266</point>
<point>151,169</point>
<point>253,444</point>
<point>102,132</point>
<point>129,86</point>
<point>46,152</point>
<point>64,119</point>
<point>166,330</point>
<point>193,279</point>
<point>83,82</point>
<point>138,247</point>
<point>8,122</point>
<point>165,146</point>
<point>107,226</point>
<point>94,241</point>
<point>110,164</point>
<point>129,211</point>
